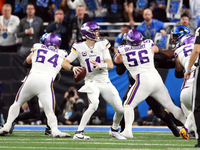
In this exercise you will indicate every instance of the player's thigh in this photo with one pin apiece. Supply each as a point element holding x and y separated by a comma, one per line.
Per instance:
<point>163,97</point>
<point>93,97</point>
<point>47,99</point>
<point>138,93</point>
<point>111,95</point>
<point>24,93</point>
<point>186,96</point>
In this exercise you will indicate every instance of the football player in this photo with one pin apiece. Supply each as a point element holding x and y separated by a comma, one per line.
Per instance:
<point>184,43</point>
<point>137,57</point>
<point>46,62</point>
<point>94,55</point>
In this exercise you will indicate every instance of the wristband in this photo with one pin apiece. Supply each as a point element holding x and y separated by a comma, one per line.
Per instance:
<point>103,66</point>
<point>72,68</point>
<point>188,70</point>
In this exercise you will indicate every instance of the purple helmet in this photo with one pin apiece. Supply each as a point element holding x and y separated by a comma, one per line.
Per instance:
<point>134,37</point>
<point>52,39</point>
<point>88,28</point>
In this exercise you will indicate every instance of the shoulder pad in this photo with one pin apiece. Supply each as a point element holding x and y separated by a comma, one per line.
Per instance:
<point>36,46</point>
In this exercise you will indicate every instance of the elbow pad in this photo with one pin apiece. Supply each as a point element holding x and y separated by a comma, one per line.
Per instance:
<point>179,74</point>
<point>25,64</point>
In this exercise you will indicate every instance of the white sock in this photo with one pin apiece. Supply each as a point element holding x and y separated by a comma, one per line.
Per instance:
<point>52,121</point>
<point>116,120</point>
<point>129,117</point>
<point>85,118</point>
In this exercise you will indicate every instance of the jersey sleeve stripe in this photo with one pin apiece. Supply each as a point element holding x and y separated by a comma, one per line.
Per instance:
<point>118,52</point>
<point>73,49</point>
<point>32,48</point>
<point>108,45</point>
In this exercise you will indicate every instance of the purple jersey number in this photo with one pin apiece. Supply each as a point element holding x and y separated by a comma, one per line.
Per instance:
<point>88,63</point>
<point>134,61</point>
<point>186,50</point>
<point>41,57</point>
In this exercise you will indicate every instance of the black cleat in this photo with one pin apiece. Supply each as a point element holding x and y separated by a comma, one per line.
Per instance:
<point>197,145</point>
<point>174,130</point>
<point>48,131</point>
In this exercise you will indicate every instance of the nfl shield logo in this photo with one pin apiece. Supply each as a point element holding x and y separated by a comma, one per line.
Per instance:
<point>84,53</point>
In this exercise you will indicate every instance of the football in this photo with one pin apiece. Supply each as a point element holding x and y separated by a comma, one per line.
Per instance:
<point>80,76</point>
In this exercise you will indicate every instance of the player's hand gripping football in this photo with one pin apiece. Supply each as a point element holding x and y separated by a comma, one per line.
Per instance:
<point>76,70</point>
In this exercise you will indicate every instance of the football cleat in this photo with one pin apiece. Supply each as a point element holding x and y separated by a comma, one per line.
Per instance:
<point>58,134</point>
<point>184,133</point>
<point>127,134</point>
<point>174,130</point>
<point>48,131</point>
<point>80,136</point>
<point>12,127</point>
<point>116,134</point>
<point>3,132</point>
<point>198,143</point>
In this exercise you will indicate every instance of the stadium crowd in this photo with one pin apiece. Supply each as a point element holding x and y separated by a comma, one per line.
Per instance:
<point>22,24</point>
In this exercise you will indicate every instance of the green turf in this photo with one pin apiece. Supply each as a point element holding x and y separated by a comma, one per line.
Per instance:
<point>22,140</point>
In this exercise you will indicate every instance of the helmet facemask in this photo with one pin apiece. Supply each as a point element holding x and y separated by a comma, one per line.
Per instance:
<point>89,30</point>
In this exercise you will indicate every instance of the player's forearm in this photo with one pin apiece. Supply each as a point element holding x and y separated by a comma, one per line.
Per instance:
<point>66,65</point>
<point>168,53</point>
<point>109,63</point>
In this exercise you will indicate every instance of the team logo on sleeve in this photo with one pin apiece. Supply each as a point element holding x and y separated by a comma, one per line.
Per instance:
<point>84,53</point>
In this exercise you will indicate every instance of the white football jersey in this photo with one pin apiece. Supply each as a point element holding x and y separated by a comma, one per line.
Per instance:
<point>85,54</point>
<point>47,60</point>
<point>138,59</point>
<point>184,53</point>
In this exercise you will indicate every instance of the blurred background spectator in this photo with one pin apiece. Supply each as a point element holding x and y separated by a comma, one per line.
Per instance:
<point>68,13</point>
<point>185,21</point>
<point>8,26</point>
<point>44,9</point>
<point>71,108</point>
<point>76,23</point>
<point>195,12</point>
<point>115,13</point>
<point>158,8</point>
<point>150,26</point>
<point>138,7</point>
<point>118,40</point>
<point>59,26</point>
<point>30,29</point>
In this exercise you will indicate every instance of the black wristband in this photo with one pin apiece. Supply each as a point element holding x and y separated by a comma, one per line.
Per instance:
<point>25,64</point>
<point>72,68</point>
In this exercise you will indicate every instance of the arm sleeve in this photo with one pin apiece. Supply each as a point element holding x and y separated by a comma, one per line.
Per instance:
<point>120,69</point>
<point>106,54</point>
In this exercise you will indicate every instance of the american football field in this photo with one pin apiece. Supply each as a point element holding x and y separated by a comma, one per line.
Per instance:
<point>32,137</point>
